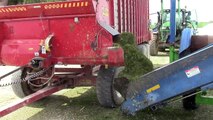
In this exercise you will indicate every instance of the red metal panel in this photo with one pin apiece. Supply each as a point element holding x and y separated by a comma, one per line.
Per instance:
<point>119,15</point>
<point>15,29</point>
<point>134,16</point>
<point>141,23</point>
<point>1,39</point>
<point>103,10</point>
<point>111,12</point>
<point>47,9</point>
<point>146,32</point>
<point>73,36</point>
<point>127,12</point>
<point>138,22</point>
<point>130,15</point>
<point>75,29</point>
<point>19,51</point>
<point>123,14</point>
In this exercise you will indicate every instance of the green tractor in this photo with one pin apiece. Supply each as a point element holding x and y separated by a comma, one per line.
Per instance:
<point>161,31</point>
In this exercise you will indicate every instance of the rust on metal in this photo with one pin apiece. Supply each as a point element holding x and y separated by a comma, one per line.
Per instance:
<point>200,41</point>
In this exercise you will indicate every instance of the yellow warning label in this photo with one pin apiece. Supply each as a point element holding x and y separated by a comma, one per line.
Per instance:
<point>14,9</point>
<point>66,5</point>
<point>30,49</point>
<point>153,88</point>
<point>86,3</point>
<point>78,4</point>
<point>105,12</point>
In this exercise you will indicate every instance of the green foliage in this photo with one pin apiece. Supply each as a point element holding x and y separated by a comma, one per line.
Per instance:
<point>14,2</point>
<point>203,24</point>
<point>136,63</point>
<point>127,39</point>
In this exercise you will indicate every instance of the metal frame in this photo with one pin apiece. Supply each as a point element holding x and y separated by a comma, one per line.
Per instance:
<point>30,99</point>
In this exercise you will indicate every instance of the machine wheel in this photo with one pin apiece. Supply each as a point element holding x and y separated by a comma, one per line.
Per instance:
<point>154,46</point>
<point>189,103</point>
<point>106,93</point>
<point>22,89</point>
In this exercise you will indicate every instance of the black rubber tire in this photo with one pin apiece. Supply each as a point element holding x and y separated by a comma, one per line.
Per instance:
<point>190,102</point>
<point>21,89</point>
<point>154,45</point>
<point>106,94</point>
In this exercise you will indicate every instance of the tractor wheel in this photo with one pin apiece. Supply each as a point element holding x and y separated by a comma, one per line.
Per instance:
<point>154,45</point>
<point>22,89</point>
<point>189,103</point>
<point>107,95</point>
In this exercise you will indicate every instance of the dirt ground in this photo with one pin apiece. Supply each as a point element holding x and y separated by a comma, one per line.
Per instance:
<point>81,104</point>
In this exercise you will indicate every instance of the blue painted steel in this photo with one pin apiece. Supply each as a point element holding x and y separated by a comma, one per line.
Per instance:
<point>172,22</point>
<point>188,73</point>
<point>185,41</point>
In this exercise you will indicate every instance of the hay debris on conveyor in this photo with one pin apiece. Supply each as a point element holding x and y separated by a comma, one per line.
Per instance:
<point>136,63</point>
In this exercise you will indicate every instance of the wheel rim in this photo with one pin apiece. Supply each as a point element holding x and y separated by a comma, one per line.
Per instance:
<point>118,97</point>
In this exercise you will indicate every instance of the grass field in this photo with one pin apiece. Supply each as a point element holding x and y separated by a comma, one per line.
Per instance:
<point>81,104</point>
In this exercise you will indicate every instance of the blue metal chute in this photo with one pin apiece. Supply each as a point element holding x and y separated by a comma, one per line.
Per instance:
<point>189,73</point>
<point>185,41</point>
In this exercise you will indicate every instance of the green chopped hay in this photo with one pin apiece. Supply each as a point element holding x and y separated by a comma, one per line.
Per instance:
<point>127,39</point>
<point>136,63</point>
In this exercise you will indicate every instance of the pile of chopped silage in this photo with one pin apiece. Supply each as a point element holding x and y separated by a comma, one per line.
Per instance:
<point>136,63</point>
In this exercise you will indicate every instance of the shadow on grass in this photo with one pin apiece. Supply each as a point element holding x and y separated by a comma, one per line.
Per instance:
<point>86,107</point>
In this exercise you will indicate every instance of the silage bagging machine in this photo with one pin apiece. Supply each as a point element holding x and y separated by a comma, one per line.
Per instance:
<point>38,37</point>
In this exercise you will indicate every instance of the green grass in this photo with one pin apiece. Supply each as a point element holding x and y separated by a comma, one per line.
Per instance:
<point>81,104</point>
<point>203,24</point>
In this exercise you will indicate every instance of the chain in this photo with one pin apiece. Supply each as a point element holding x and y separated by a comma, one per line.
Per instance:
<point>37,74</point>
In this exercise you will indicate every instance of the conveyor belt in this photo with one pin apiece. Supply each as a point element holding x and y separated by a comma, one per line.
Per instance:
<point>192,72</point>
